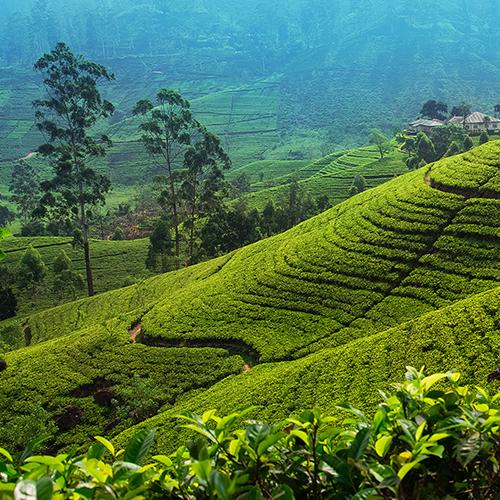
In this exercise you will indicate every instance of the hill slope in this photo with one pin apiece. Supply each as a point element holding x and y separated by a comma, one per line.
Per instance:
<point>325,290</point>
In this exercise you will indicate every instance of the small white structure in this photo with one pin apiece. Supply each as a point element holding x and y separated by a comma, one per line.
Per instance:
<point>424,125</point>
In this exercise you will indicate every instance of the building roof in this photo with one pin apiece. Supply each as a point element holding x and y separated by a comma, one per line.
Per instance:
<point>426,123</point>
<point>474,118</point>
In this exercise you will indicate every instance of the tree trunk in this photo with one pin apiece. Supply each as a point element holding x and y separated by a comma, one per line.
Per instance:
<point>86,251</point>
<point>88,268</point>
<point>177,241</point>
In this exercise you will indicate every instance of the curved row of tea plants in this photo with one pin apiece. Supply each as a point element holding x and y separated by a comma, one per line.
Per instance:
<point>430,438</point>
<point>463,336</point>
<point>382,258</point>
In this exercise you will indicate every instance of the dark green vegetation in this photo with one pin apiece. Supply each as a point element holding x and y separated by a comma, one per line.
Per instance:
<point>326,309</point>
<point>126,260</point>
<point>430,438</point>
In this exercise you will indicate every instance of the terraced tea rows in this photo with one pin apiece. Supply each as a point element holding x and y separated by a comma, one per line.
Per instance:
<point>461,337</point>
<point>333,175</point>
<point>326,291</point>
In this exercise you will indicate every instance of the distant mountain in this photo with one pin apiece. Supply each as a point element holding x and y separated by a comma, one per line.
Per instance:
<point>339,67</point>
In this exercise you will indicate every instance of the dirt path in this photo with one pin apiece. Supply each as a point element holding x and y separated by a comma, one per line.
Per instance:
<point>28,156</point>
<point>136,330</point>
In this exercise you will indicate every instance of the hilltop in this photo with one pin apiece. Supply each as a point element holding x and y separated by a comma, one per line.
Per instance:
<point>407,270</point>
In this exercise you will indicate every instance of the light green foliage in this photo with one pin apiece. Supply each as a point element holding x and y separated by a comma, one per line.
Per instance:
<point>66,280</point>
<point>324,294</point>
<point>31,269</point>
<point>429,438</point>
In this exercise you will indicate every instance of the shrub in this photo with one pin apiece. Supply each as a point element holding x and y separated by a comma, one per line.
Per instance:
<point>484,137</point>
<point>431,438</point>
<point>31,268</point>
<point>8,303</point>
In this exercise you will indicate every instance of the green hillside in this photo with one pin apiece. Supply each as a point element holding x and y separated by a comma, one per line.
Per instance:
<point>332,176</point>
<point>461,337</point>
<point>323,307</point>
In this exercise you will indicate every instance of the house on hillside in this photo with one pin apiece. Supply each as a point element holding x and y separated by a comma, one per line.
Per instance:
<point>476,122</point>
<point>424,125</point>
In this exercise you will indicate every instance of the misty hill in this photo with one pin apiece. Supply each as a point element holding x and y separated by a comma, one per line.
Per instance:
<point>281,77</point>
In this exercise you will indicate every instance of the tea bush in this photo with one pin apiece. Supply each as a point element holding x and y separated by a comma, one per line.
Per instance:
<point>429,438</point>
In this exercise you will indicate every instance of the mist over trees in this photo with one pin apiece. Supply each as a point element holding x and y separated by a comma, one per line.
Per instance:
<point>102,28</point>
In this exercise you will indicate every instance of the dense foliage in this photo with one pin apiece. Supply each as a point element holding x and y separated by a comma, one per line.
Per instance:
<point>323,294</point>
<point>430,438</point>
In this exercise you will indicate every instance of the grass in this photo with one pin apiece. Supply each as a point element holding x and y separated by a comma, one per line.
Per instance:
<point>403,273</point>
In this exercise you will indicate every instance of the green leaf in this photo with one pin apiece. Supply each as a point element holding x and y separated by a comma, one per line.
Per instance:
<point>409,466</point>
<point>468,448</point>
<point>44,489</point>
<point>139,446</point>
<point>382,445</point>
<point>429,381</point>
<point>202,431</point>
<point>163,459</point>
<point>360,442</point>
<point>420,430</point>
<point>107,444</point>
<point>301,435</point>
<point>268,442</point>
<point>6,454</point>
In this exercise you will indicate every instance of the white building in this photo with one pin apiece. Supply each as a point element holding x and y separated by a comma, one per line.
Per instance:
<point>476,122</point>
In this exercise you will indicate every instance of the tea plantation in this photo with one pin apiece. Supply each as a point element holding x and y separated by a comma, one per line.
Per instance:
<point>331,176</point>
<point>405,273</point>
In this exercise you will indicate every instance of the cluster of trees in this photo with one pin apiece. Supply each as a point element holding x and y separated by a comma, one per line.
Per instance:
<point>232,226</point>
<point>29,276</point>
<point>266,33</point>
<point>190,191</point>
<point>443,141</point>
<point>437,110</point>
<point>191,185</point>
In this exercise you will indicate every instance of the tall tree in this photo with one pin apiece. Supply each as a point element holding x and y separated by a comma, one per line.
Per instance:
<point>25,188</point>
<point>6,216</point>
<point>463,110</point>
<point>378,139</point>
<point>72,106</point>
<point>203,182</point>
<point>188,154</point>
<point>294,202</point>
<point>160,247</point>
<point>434,110</point>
